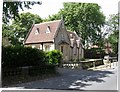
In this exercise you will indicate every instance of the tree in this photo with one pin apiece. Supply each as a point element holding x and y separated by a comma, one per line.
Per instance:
<point>84,18</point>
<point>11,9</point>
<point>17,31</point>
<point>113,29</point>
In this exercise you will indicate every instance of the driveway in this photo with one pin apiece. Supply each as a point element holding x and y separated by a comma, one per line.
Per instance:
<point>76,79</point>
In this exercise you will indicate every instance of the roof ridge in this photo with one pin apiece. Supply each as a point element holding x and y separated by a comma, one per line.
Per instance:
<point>48,22</point>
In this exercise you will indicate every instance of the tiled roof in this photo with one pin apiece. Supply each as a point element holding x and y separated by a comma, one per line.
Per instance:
<point>42,36</point>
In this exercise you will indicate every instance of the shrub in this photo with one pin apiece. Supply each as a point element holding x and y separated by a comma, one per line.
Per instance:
<point>54,57</point>
<point>19,56</point>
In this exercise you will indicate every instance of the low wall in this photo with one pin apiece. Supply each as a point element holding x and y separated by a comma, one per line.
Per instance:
<point>83,64</point>
<point>91,63</point>
<point>71,65</point>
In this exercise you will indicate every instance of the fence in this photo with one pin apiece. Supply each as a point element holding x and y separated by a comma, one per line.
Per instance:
<point>28,71</point>
<point>11,72</point>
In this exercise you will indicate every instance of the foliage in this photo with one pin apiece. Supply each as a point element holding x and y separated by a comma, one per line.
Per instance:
<point>11,9</point>
<point>114,36</point>
<point>94,53</point>
<point>19,56</point>
<point>54,57</point>
<point>84,18</point>
<point>53,17</point>
<point>17,31</point>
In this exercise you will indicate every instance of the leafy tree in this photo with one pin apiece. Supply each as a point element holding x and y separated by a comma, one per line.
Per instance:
<point>84,18</point>
<point>11,9</point>
<point>113,29</point>
<point>19,28</point>
<point>113,39</point>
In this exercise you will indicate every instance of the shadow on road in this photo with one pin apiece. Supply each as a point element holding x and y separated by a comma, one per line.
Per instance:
<point>90,76</point>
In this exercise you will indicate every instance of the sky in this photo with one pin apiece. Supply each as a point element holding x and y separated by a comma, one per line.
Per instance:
<point>52,7</point>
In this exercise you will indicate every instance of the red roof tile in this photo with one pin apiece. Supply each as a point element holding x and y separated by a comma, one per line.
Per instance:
<point>43,36</point>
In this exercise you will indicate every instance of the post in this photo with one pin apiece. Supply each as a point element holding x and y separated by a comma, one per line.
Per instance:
<point>78,53</point>
<point>94,64</point>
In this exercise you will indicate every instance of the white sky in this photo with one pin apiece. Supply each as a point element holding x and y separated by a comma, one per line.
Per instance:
<point>52,7</point>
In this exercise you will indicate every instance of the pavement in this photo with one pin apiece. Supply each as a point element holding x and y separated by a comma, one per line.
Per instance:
<point>96,78</point>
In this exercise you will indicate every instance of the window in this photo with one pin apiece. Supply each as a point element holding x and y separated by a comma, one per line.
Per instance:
<point>62,36</point>
<point>48,29</point>
<point>61,49</point>
<point>47,48</point>
<point>74,50</point>
<point>37,31</point>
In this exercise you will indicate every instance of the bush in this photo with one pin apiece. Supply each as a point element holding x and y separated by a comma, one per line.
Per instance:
<point>19,56</point>
<point>54,57</point>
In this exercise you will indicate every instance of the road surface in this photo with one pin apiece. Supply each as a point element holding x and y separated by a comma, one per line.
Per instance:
<point>76,79</point>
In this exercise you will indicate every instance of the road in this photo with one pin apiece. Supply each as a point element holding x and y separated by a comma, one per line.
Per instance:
<point>76,79</point>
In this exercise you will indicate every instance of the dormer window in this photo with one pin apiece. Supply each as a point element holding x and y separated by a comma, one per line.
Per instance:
<point>37,31</point>
<point>48,29</point>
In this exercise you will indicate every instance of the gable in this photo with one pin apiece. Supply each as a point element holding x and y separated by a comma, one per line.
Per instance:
<point>61,34</point>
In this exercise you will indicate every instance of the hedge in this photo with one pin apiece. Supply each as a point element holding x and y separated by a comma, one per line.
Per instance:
<point>19,56</point>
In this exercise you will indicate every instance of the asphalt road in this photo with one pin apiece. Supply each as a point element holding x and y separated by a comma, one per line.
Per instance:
<point>76,79</point>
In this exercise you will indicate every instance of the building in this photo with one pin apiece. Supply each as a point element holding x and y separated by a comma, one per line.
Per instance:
<point>52,35</point>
